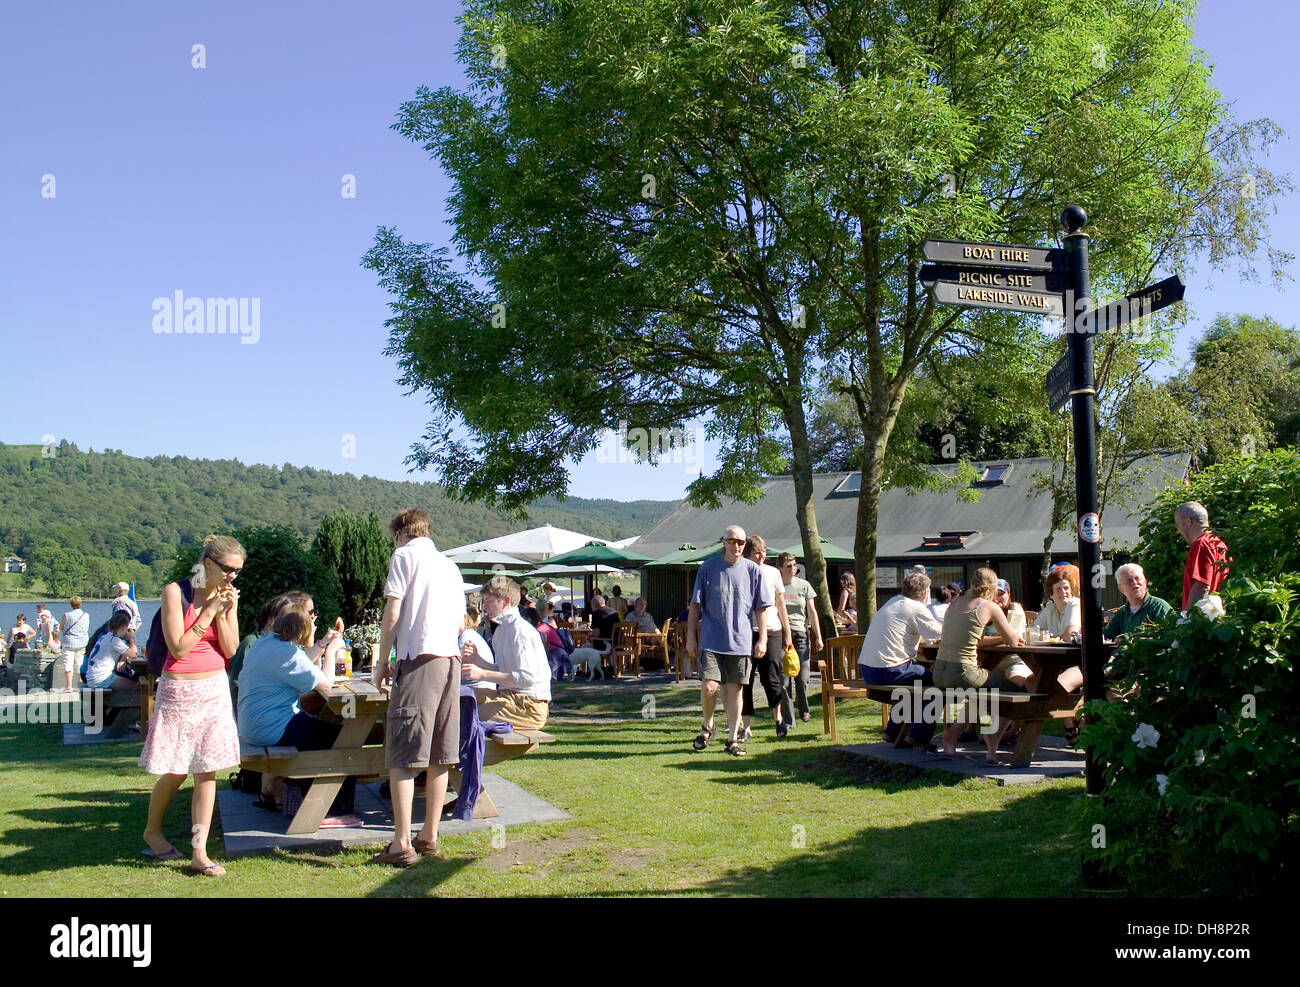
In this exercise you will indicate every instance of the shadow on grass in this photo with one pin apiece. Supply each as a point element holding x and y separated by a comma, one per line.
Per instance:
<point>89,829</point>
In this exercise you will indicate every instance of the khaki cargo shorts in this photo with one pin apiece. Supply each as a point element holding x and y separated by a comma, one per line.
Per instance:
<point>423,722</point>
<point>727,669</point>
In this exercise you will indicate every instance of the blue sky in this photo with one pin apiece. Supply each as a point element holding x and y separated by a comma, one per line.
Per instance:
<point>226,181</point>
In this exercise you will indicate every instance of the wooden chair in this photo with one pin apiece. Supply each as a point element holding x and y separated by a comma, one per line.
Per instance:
<point>656,646</point>
<point>679,650</point>
<point>625,648</point>
<point>838,669</point>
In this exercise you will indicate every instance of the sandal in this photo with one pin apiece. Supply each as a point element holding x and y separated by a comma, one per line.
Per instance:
<point>734,749</point>
<point>171,853</point>
<point>1072,733</point>
<point>424,848</point>
<point>702,741</point>
<point>210,870</point>
<point>397,858</point>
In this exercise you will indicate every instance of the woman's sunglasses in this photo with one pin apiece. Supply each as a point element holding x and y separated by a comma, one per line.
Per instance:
<point>229,570</point>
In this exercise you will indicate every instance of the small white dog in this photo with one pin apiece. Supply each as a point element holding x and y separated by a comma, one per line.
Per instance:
<point>590,659</point>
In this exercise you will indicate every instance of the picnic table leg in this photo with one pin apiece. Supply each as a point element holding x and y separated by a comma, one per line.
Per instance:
<point>1026,743</point>
<point>316,805</point>
<point>484,807</point>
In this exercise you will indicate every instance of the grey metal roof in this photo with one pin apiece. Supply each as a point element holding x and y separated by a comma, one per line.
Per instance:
<point>1011,517</point>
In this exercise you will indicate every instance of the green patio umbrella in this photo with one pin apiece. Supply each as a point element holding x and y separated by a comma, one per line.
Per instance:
<point>598,553</point>
<point>686,555</point>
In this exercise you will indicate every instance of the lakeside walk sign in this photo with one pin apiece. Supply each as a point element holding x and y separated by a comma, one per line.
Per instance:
<point>1005,276</point>
<point>1023,279</point>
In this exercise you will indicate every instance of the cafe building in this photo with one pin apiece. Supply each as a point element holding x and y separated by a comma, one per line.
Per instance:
<point>1003,529</point>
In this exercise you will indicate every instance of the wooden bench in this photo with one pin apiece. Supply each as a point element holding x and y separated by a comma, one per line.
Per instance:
<point>839,681</point>
<point>128,703</point>
<point>1029,709</point>
<point>329,768</point>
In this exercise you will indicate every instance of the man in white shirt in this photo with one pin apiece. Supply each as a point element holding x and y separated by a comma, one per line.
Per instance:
<point>888,655</point>
<point>521,673</point>
<point>424,612</point>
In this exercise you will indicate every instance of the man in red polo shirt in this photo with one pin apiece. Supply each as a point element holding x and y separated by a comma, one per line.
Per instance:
<point>1207,561</point>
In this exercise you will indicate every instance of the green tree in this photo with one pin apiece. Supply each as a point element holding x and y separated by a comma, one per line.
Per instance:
<point>63,570</point>
<point>278,559</point>
<point>1242,388</point>
<point>357,548</point>
<point>1254,505</point>
<point>666,212</point>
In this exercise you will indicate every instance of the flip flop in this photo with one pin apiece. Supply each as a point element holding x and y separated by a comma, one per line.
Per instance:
<point>211,870</point>
<point>171,853</point>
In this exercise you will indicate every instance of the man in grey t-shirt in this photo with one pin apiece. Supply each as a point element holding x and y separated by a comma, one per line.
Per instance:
<point>729,599</point>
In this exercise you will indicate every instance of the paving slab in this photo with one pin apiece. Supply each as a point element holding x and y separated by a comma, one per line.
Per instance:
<point>1055,759</point>
<point>247,829</point>
<point>75,735</point>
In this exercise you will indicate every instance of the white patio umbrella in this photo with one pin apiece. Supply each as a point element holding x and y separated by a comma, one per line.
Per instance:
<point>537,544</point>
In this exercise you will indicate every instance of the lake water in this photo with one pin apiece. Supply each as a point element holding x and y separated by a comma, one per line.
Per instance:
<point>99,611</point>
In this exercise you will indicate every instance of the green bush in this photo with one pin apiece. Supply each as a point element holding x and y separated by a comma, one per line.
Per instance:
<point>1254,505</point>
<point>1201,782</point>
<point>278,559</point>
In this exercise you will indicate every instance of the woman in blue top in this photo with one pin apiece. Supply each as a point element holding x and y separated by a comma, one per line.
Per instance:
<point>276,672</point>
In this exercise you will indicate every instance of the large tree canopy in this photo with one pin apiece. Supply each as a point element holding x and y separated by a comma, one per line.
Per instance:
<point>665,211</point>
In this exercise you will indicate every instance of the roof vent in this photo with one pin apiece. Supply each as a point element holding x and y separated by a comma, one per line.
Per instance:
<point>949,539</point>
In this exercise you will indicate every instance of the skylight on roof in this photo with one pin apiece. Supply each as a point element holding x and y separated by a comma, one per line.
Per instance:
<point>851,484</point>
<point>997,473</point>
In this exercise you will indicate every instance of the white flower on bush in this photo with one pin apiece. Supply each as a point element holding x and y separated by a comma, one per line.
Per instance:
<point>1199,758</point>
<point>1162,782</point>
<point>1146,735</point>
<point>1211,606</point>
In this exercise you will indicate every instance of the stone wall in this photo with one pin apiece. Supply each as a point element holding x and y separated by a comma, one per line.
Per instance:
<point>33,665</point>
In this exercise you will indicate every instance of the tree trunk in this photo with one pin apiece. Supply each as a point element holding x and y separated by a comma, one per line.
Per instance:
<point>806,514</point>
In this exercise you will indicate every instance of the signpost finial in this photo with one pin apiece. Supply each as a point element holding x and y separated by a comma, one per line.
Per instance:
<point>1073,218</point>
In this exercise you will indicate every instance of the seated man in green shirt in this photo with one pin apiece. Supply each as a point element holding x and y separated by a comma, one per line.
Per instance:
<point>1142,606</point>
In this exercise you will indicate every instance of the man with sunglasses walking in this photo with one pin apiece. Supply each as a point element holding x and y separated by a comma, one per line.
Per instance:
<point>730,599</point>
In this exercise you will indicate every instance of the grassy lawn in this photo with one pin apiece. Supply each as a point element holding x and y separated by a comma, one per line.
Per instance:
<point>650,817</point>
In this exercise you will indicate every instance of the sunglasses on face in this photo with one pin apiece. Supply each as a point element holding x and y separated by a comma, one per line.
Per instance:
<point>229,570</point>
<point>734,541</point>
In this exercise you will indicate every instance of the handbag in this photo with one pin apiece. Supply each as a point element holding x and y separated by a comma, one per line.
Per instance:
<point>790,662</point>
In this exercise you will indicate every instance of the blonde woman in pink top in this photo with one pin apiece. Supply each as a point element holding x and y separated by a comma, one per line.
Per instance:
<point>193,727</point>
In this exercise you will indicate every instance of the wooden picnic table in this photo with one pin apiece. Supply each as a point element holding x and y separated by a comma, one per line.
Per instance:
<point>360,704</point>
<point>1048,661</point>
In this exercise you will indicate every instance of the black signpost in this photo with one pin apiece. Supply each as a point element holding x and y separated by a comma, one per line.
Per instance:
<point>1048,281</point>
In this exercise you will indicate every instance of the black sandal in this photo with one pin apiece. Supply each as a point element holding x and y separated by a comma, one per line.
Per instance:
<point>734,749</point>
<point>702,741</point>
